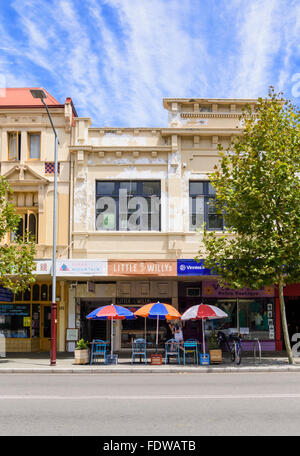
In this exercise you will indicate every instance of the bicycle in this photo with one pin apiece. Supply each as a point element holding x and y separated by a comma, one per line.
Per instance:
<point>235,350</point>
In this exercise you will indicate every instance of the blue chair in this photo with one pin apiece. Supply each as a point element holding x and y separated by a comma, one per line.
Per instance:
<point>190,347</point>
<point>172,348</point>
<point>99,348</point>
<point>139,348</point>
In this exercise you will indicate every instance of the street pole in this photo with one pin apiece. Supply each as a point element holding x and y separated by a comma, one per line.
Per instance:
<point>54,305</point>
<point>39,93</point>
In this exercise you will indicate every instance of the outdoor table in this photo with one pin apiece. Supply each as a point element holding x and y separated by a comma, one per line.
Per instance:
<point>94,343</point>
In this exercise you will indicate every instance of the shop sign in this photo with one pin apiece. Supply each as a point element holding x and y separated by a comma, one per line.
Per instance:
<point>81,268</point>
<point>137,301</point>
<point>43,266</point>
<point>146,268</point>
<point>26,321</point>
<point>192,268</point>
<point>212,289</point>
<point>15,309</point>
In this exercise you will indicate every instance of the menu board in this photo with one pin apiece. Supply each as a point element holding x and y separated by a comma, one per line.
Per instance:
<point>72,335</point>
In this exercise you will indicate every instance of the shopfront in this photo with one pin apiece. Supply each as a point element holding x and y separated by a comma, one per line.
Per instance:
<point>252,312</point>
<point>292,307</point>
<point>25,322</point>
<point>139,283</point>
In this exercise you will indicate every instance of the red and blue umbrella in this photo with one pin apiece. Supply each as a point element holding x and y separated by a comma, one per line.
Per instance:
<point>159,311</point>
<point>111,312</point>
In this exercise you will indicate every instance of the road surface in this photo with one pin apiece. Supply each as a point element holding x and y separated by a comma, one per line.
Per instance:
<point>150,404</point>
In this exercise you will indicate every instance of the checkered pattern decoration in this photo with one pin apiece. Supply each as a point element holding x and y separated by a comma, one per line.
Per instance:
<point>49,167</point>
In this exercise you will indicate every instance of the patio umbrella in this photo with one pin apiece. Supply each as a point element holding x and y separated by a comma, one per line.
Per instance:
<point>159,311</point>
<point>112,313</point>
<point>203,312</point>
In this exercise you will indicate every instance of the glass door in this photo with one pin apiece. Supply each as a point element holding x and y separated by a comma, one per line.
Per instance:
<point>45,332</point>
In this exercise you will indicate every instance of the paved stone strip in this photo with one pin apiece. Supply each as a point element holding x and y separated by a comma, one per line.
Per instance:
<point>149,369</point>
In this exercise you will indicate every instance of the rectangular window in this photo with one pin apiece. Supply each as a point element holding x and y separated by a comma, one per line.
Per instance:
<point>203,208</point>
<point>34,141</point>
<point>254,317</point>
<point>14,145</point>
<point>14,319</point>
<point>128,206</point>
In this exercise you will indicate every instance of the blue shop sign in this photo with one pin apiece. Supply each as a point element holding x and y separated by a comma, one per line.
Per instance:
<point>6,295</point>
<point>192,268</point>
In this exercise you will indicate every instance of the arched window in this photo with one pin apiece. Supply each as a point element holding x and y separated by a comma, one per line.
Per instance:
<point>44,292</point>
<point>36,292</point>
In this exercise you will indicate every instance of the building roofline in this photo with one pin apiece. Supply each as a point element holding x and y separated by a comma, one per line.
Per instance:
<point>166,101</point>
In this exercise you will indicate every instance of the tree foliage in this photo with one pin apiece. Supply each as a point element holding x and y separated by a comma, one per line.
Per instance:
<point>17,258</point>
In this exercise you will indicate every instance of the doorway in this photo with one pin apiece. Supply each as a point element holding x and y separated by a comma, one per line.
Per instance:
<point>93,329</point>
<point>45,329</point>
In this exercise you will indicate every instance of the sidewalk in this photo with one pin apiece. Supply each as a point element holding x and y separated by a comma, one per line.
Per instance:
<point>40,363</point>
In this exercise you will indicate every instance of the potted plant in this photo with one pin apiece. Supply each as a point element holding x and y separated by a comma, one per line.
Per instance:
<point>215,353</point>
<point>82,352</point>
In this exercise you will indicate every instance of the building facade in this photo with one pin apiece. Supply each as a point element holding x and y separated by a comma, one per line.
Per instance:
<point>27,162</point>
<point>131,205</point>
<point>139,199</point>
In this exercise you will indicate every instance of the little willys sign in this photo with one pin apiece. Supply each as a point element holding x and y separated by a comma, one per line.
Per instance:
<point>166,268</point>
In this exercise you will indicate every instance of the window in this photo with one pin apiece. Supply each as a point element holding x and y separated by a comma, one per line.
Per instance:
<point>14,320</point>
<point>27,226</point>
<point>128,205</point>
<point>202,206</point>
<point>34,145</point>
<point>14,145</point>
<point>255,316</point>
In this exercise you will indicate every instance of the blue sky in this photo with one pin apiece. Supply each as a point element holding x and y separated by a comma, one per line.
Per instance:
<point>117,59</point>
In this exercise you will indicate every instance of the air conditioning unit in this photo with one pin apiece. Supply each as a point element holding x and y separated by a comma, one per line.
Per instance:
<point>193,292</point>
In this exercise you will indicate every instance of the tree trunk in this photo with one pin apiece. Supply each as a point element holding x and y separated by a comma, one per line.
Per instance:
<point>284,325</point>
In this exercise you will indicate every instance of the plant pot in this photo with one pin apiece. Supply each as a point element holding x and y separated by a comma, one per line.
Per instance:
<point>215,356</point>
<point>82,356</point>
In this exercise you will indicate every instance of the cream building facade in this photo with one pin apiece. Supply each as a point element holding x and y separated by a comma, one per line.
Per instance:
<point>27,162</point>
<point>131,204</point>
<point>171,165</point>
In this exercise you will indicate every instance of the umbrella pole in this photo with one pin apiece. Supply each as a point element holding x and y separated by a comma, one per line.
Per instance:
<point>203,336</point>
<point>112,337</point>
<point>145,330</point>
<point>156,332</point>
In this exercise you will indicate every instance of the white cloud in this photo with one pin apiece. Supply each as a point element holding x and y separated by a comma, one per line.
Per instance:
<point>117,59</point>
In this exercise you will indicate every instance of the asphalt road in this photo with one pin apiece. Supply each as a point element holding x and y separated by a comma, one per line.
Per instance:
<point>150,404</point>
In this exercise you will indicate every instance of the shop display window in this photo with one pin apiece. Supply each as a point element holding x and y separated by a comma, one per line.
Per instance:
<point>15,320</point>
<point>255,317</point>
<point>135,329</point>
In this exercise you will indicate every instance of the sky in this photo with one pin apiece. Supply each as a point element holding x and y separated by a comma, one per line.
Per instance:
<point>118,59</point>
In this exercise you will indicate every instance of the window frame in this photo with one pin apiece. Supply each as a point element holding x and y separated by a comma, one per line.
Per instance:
<point>116,195</point>
<point>18,145</point>
<point>206,196</point>
<point>29,134</point>
<point>22,213</point>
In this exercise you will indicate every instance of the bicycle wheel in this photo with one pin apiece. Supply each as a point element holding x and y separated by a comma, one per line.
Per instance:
<point>233,352</point>
<point>239,354</point>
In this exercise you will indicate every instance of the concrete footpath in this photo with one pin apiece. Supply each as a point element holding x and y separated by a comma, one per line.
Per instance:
<point>40,363</point>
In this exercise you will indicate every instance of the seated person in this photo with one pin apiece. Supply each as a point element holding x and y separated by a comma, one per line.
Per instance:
<point>178,335</point>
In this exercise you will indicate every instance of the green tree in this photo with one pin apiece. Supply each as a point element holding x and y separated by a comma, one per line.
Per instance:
<point>257,187</point>
<point>16,259</point>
